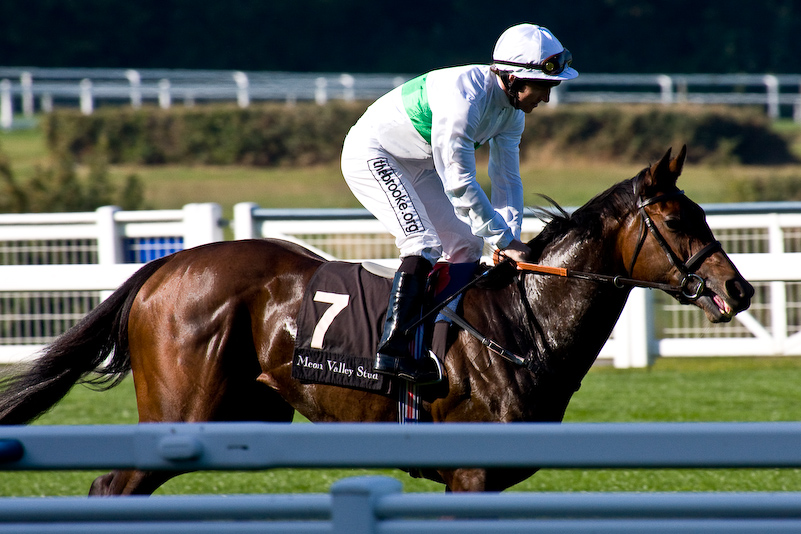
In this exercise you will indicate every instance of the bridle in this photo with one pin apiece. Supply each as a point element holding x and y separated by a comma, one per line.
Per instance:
<point>692,285</point>
<point>690,288</point>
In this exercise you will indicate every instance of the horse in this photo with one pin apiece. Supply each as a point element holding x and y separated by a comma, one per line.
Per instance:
<point>208,332</point>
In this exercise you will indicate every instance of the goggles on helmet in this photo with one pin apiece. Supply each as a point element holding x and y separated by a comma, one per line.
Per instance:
<point>551,66</point>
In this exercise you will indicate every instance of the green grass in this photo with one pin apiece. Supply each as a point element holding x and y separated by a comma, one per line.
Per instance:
<point>673,390</point>
<point>569,179</point>
<point>719,389</point>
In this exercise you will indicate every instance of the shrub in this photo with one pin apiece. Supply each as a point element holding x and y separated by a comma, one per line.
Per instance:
<point>643,133</point>
<point>264,134</point>
<point>305,133</point>
<point>59,188</point>
<point>775,188</point>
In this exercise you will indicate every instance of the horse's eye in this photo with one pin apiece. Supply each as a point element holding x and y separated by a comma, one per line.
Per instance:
<point>673,224</point>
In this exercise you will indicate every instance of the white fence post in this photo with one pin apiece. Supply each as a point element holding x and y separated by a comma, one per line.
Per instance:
<point>242,86</point>
<point>202,224</point>
<point>348,82</point>
<point>46,102</point>
<point>26,81</point>
<point>135,80</point>
<point>165,98</point>
<point>772,86</point>
<point>243,220</point>
<point>87,105</point>
<point>321,92</point>
<point>109,240</point>
<point>666,88</point>
<point>634,332</point>
<point>354,501</point>
<point>556,96</point>
<point>778,292</point>
<point>797,110</point>
<point>6,106</point>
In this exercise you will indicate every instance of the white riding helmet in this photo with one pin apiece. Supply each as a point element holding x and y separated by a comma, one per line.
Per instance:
<point>532,52</point>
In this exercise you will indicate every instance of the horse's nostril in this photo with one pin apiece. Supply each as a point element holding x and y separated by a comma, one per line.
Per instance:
<point>739,289</point>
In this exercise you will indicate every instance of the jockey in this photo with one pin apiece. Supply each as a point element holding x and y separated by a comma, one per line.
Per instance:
<point>410,160</point>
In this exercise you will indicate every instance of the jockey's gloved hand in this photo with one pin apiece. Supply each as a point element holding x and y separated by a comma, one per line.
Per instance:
<point>515,251</point>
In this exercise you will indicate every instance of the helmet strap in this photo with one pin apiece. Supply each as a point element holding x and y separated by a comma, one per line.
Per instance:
<point>511,88</point>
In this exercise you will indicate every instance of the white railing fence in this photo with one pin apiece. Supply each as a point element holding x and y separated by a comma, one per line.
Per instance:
<point>22,87</point>
<point>54,268</point>
<point>763,240</point>
<point>376,504</point>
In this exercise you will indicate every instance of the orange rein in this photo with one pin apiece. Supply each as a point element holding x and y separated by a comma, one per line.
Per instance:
<point>498,257</point>
<point>618,281</point>
<point>542,269</point>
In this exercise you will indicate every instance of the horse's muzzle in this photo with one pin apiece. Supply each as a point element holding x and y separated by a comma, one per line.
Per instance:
<point>722,306</point>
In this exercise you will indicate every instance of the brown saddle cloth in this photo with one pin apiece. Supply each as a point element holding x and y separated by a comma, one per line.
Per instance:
<point>339,326</point>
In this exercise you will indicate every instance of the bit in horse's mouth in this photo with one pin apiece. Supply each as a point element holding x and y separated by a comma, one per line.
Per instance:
<point>716,308</point>
<point>723,306</point>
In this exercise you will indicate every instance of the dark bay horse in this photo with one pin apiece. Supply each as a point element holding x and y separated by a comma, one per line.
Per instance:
<point>209,332</point>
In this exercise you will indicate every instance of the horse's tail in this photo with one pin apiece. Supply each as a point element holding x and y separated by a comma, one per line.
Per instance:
<point>79,355</point>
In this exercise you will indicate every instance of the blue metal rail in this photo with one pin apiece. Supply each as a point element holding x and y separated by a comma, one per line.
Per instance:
<point>376,504</point>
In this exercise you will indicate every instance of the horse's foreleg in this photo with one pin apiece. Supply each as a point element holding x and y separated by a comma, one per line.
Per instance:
<point>129,483</point>
<point>476,479</point>
<point>465,480</point>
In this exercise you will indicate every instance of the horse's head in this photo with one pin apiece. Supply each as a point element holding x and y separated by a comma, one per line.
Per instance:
<point>668,240</point>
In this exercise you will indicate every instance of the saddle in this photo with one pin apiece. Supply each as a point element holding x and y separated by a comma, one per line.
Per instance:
<point>340,323</point>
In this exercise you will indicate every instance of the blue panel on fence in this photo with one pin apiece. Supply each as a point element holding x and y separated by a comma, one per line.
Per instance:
<point>145,249</point>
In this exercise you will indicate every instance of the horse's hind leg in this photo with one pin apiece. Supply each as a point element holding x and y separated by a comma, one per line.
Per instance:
<point>200,365</point>
<point>129,483</point>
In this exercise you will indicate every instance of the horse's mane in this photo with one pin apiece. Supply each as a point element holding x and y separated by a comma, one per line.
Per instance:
<point>587,219</point>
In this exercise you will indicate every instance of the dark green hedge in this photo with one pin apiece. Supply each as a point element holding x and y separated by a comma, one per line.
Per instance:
<point>641,133</point>
<point>267,134</point>
<point>305,133</point>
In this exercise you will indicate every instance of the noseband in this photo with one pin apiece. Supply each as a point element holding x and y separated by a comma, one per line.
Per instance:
<point>692,285</point>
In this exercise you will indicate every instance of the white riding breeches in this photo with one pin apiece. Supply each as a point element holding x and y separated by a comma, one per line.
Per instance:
<point>407,196</point>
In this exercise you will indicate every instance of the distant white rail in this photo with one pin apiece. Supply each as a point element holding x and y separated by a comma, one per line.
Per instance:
<point>27,89</point>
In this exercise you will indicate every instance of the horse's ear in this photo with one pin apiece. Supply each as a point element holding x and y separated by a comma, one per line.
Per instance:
<point>678,162</point>
<point>664,173</point>
<point>655,174</point>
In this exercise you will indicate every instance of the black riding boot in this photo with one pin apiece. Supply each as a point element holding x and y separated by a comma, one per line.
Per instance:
<point>405,306</point>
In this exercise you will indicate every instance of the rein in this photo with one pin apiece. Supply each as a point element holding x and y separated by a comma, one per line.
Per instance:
<point>618,281</point>
<point>689,289</point>
<point>683,290</point>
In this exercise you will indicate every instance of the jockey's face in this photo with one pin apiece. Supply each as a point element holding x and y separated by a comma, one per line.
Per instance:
<point>532,93</point>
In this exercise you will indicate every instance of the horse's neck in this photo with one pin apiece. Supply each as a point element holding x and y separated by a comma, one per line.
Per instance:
<point>576,316</point>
